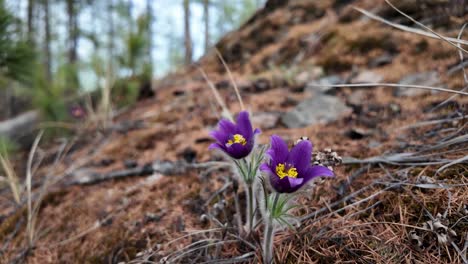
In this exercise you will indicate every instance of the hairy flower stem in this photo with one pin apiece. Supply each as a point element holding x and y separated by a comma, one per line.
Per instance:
<point>269,233</point>
<point>248,172</point>
<point>250,208</point>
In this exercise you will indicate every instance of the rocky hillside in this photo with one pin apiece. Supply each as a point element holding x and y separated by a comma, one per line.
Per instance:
<point>139,190</point>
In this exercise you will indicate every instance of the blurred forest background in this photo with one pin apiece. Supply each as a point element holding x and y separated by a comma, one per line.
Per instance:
<point>70,58</point>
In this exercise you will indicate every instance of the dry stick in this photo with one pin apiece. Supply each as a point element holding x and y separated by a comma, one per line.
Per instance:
<point>30,228</point>
<point>456,68</point>
<point>335,204</point>
<point>235,188</point>
<point>465,77</point>
<point>231,77</point>
<point>433,122</point>
<point>362,211</point>
<point>425,27</point>
<point>391,85</point>
<point>196,232</point>
<point>355,203</point>
<point>45,184</point>
<point>252,246</point>
<point>188,249</point>
<point>96,226</point>
<point>218,192</point>
<point>465,247</point>
<point>460,160</point>
<point>409,29</point>
<point>242,258</point>
<point>459,252</point>
<point>216,94</point>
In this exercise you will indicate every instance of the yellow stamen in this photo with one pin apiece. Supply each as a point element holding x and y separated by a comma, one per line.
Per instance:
<point>292,172</point>
<point>238,138</point>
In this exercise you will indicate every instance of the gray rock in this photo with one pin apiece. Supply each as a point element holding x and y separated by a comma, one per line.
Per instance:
<point>425,78</point>
<point>21,129</point>
<point>357,97</point>
<point>381,60</point>
<point>309,75</point>
<point>320,108</point>
<point>266,120</point>
<point>368,77</point>
<point>322,85</point>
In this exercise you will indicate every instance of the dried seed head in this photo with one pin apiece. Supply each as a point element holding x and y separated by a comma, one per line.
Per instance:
<point>301,139</point>
<point>219,205</point>
<point>438,227</point>
<point>327,158</point>
<point>204,218</point>
<point>425,179</point>
<point>415,239</point>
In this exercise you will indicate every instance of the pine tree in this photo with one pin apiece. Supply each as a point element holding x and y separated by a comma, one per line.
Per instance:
<point>187,35</point>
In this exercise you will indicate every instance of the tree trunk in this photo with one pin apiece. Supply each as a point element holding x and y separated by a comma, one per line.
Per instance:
<point>30,22</point>
<point>110,46</point>
<point>187,36</point>
<point>149,13</point>
<point>206,16</point>
<point>48,55</point>
<point>72,31</point>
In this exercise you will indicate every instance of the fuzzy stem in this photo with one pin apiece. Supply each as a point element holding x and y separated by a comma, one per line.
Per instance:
<point>250,208</point>
<point>268,239</point>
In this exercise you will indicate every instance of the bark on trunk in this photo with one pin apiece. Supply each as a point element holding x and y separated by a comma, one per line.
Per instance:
<point>48,55</point>
<point>30,22</point>
<point>187,36</point>
<point>206,15</point>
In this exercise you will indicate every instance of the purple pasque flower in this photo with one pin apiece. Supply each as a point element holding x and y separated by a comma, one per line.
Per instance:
<point>290,170</point>
<point>237,140</point>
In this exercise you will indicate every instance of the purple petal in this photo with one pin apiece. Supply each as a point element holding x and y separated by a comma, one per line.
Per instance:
<point>300,156</point>
<point>216,146</point>
<point>265,167</point>
<point>238,151</point>
<point>244,125</point>
<point>257,131</point>
<point>295,183</point>
<point>227,127</point>
<point>278,150</point>
<point>220,136</point>
<point>316,171</point>
<point>280,185</point>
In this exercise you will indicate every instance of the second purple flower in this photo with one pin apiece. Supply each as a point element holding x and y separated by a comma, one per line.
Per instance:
<point>236,140</point>
<point>290,170</point>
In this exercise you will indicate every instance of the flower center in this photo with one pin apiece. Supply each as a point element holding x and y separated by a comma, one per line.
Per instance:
<point>236,139</point>
<point>282,172</point>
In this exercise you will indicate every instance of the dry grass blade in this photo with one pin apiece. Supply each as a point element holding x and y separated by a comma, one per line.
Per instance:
<point>243,258</point>
<point>12,178</point>
<point>391,85</point>
<point>457,161</point>
<point>432,122</point>
<point>95,226</point>
<point>232,79</point>
<point>30,225</point>
<point>412,30</point>
<point>425,27</point>
<point>465,76</point>
<point>217,96</point>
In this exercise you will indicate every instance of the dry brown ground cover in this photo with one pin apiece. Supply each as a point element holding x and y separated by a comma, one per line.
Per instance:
<point>374,211</point>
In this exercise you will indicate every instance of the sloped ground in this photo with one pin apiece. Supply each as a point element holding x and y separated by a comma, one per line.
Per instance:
<point>366,215</point>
